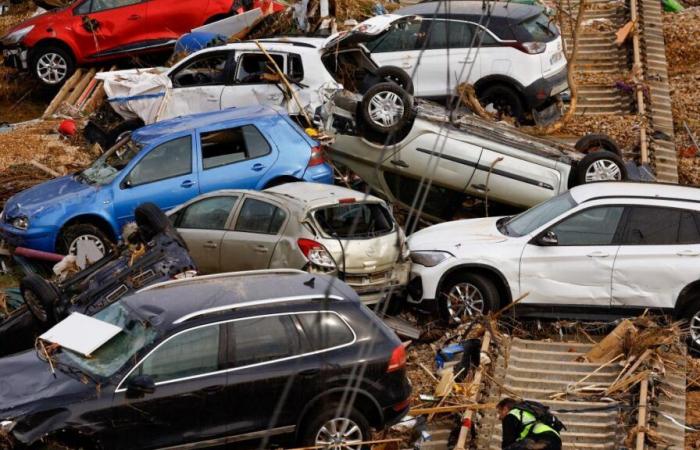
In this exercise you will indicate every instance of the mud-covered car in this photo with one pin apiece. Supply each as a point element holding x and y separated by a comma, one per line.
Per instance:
<point>399,146</point>
<point>154,253</point>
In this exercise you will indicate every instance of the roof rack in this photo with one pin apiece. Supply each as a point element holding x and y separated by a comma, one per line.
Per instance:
<point>224,275</point>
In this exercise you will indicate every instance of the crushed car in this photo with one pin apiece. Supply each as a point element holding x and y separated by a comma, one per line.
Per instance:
<point>152,253</point>
<point>166,163</point>
<point>51,45</point>
<point>163,366</point>
<point>397,144</point>
<point>315,227</point>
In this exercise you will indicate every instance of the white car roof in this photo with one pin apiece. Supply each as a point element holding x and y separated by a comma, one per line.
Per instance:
<point>281,44</point>
<point>638,190</point>
<point>315,195</point>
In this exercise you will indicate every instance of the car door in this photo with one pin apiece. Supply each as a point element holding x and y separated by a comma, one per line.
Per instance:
<point>250,243</point>
<point>165,175</point>
<point>233,157</point>
<point>254,81</point>
<point>203,225</point>
<point>571,262</point>
<point>170,19</point>
<point>105,27</point>
<point>188,404</point>
<point>400,46</point>
<point>197,85</point>
<point>659,256</point>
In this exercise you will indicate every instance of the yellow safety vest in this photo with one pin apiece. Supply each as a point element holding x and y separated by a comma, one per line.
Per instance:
<point>530,423</point>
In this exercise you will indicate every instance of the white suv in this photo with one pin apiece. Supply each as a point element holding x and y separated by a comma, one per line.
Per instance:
<point>602,247</point>
<point>513,56</point>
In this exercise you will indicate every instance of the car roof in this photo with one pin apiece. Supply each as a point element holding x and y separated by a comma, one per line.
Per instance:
<point>191,122</point>
<point>513,12</point>
<point>165,305</point>
<point>276,44</point>
<point>627,189</point>
<point>314,195</point>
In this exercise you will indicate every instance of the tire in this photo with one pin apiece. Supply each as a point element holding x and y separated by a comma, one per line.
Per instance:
<point>69,237</point>
<point>52,65</point>
<point>396,75</point>
<point>691,313</point>
<point>601,165</point>
<point>386,108</point>
<point>40,297</point>
<point>117,133</point>
<point>312,429</point>
<point>150,220</point>
<point>595,142</point>
<point>505,100</point>
<point>482,291</point>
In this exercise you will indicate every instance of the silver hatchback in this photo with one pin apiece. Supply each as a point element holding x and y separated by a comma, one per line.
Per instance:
<point>310,226</point>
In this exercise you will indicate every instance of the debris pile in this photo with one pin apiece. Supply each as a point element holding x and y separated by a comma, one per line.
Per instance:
<point>624,130</point>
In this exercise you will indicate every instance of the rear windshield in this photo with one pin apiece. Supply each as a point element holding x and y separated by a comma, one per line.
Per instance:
<point>539,28</point>
<point>355,220</point>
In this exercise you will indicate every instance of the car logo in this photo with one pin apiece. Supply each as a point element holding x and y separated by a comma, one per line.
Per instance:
<point>371,252</point>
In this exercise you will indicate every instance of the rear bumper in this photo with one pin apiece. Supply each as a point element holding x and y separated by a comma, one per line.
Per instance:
<point>543,89</point>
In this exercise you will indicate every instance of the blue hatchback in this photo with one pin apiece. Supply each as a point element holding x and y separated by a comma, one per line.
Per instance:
<point>166,163</point>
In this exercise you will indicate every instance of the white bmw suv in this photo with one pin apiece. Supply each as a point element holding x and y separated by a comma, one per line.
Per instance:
<point>601,247</point>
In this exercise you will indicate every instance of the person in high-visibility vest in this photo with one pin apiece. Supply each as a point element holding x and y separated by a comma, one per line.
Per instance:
<point>521,430</point>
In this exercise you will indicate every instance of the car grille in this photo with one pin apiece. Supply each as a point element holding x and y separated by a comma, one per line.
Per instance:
<point>368,278</point>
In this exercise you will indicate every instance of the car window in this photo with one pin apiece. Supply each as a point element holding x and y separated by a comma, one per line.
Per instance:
<point>105,168</point>
<point>206,70</point>
<point>260,217</point>
<point>168,160</point>
<point>358,220</point>
<point>296,68</point>
<point>484,37</point>
<point>231,145</point>
<point>400,37</point>
<point>444,34</point>
<point>593,226</point>
<point>208,214</point>
<point>101,5</point>
<point>537,29</point>
<point>648,225</point>
<point>530,220</point>
<point>256,68</point>
<point>689,231</point>
<point>262,339</point>
<point>190,353</point>
<point>83,8</point>
<point>324,330</point>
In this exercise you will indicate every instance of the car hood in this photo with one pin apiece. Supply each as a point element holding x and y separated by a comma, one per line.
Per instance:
<point>48,196</point>
<point>449,236</point>
<point>365,31</point>
<point>45,19</point>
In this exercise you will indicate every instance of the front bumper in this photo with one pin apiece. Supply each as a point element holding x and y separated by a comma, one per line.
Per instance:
<point>375,287</point>
<point>423,283</point>
<point>36,238</point>
<point>543,89</point>
<point>15,56</point>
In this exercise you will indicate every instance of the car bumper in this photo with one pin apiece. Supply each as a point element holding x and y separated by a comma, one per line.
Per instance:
<point>370,291</point>
<point>35,238</point>
<point>14,56</point>
<point>543,89</point>
<point>423,283</point>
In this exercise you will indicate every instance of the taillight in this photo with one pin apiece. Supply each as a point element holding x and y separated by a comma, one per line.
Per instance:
<point>316,156</point>
<point>316,253</point>
<point>397,360</point>
<point>531,48</point>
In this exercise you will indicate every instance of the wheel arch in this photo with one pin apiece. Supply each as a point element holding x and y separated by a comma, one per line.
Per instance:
<point>689,293</point>
<point>495,275</point>
<point>492,80</point>
<point>280,179</point>
<point>46,42</point>
<point>102,223</point>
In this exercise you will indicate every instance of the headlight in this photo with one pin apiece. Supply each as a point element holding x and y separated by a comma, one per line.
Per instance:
<point>7,426</point>
<point>18,35</point>
<point>429,258</point>
<point>20,222</point>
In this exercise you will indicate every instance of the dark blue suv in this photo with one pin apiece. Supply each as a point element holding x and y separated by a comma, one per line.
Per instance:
<point>166,163</point>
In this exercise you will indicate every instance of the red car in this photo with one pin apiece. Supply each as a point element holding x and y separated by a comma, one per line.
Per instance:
<point>52,44</point>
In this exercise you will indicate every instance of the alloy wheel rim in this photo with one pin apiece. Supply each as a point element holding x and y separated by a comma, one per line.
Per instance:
<point>603,170</point>
<point>464,299</point>
<point>695,328</point>
<point>340,433</point>
<point>73,247</point>
<point>52,68</point>
<point>386,108</point>
<point>33,303</point>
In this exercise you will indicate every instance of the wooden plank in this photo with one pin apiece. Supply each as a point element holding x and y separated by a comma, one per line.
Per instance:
<point>80,87</point>
<point>642,414</point>
<point>62,93</point>
<point>468,416</point>
<point>640,95</point>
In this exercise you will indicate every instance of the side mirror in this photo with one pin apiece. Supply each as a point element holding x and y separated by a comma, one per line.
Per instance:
<point>139,386</point>
<point>548,239</point>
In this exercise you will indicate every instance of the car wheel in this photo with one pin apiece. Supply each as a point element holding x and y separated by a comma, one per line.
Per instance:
<point>336,427</point>
<point>40,297</point>
<point>150,220</point>
<point>600,166</point>
<point>52,65</point>
<point>386,108</point>
<point>120,131</point>
<point>397,76</point>
<point>691,313</point>
<point>68,240</point>
<point>504,99</point>
<point>595,142</point>
<point>466,295</point>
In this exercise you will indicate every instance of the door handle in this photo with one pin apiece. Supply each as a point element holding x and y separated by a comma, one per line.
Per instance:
<point>209,244</point>
<point>400,163</point>
<point>213,389</point>
<point>480,187</point>
<point>310,372</point>
<point>260,249</point>
<point>466,60</point>
<point>188,183</point>
<point>598,254</point>
<point>258,167</point>
<point>134,17</point>
<point>688,253</point>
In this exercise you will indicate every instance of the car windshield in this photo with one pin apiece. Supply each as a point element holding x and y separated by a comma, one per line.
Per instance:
<point>541,29</point>
<point>355,220</point>
<point>107,166</point>
<point>112,356</point>
<point>530,220</point>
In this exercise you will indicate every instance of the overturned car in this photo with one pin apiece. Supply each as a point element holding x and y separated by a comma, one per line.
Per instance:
<point>151,254</point>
